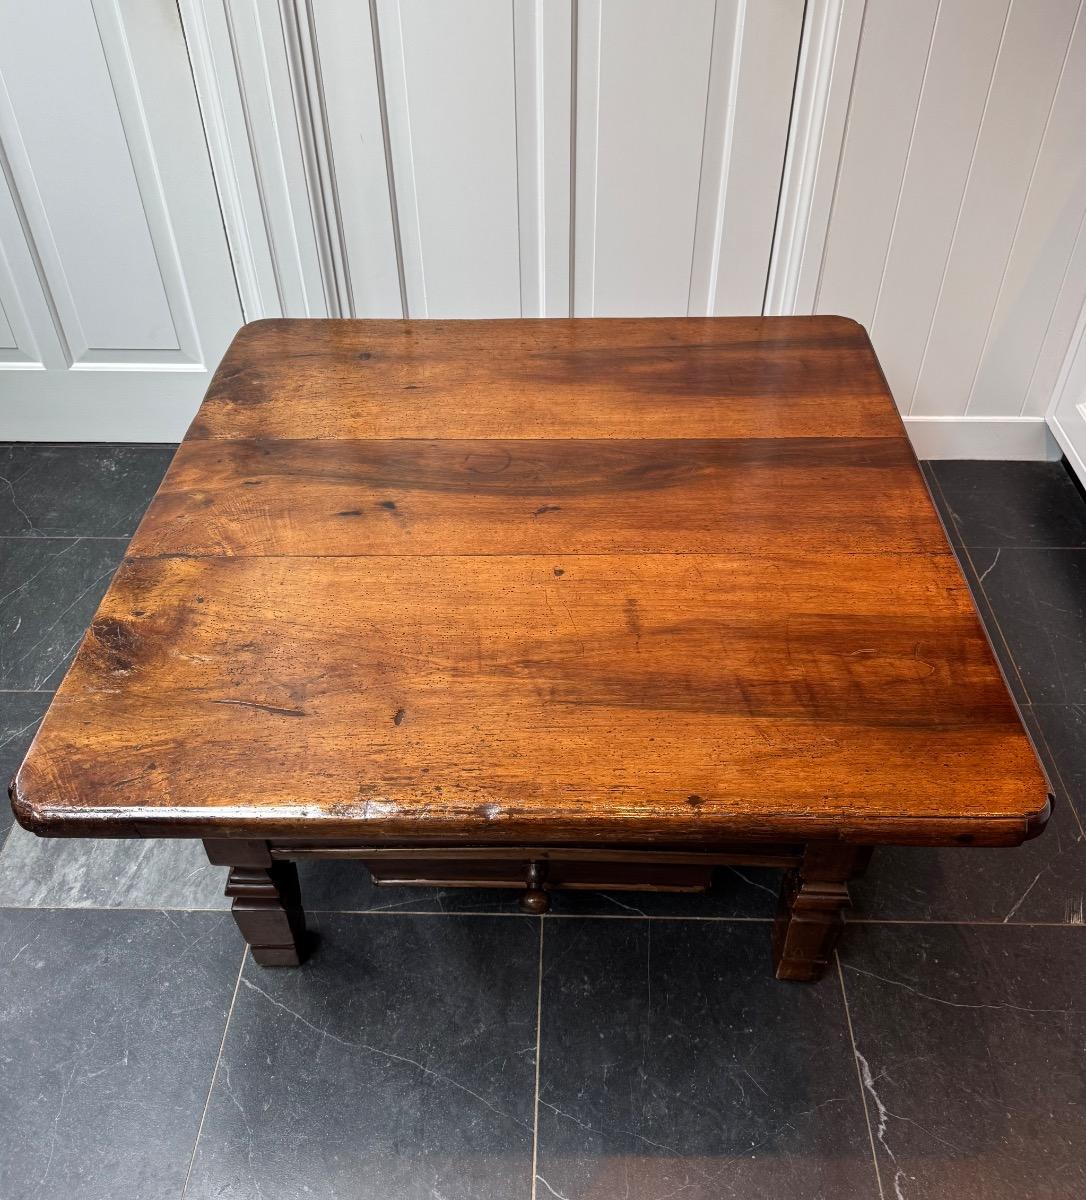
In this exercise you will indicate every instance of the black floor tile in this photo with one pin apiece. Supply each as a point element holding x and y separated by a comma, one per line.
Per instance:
<point>82,491</point>
<point>398,1062</point>
<point>1013,503</point>
<point>110,1029</point>
<point>1042,880</point>
<point>1039,601</point>
<point>49,590</point>
<point>969,1041</point>
<point>162,873</point>
<point>345,886</point>
<point>20,713</point>
<point>1063,747</point>
<point>672,1063</point>
<point>332,886</point>
<point>941,506</point>
<point>737,892</point>
<point>988,620</point>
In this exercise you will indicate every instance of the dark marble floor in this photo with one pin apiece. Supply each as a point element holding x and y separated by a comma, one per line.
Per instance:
<point>441,1045</point>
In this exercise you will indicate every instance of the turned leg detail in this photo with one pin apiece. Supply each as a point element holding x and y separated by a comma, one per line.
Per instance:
<point>267,902</point>
<point>811,912</point>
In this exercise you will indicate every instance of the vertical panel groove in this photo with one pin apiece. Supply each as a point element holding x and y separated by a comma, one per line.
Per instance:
<point>840,162</point>
<point>726,157</point>
<point>31,245</point>
<point>419,300</point>
<point>1021,213</point>
<point>701,176</point>
<point>307,94</point>
<point>379,67</point>
<point>575,16</point>
<point>905,167</point>
<point>1080,234</point>
<point>961,206</point>
<point>531,115</point>
<point>332,211</point>
<point>209,100</point>
<point>176,296</point>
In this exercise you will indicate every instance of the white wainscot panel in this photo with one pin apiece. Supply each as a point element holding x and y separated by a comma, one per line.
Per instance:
<point>451,101</point>
<point>681,125</point>
<point>78,152</point>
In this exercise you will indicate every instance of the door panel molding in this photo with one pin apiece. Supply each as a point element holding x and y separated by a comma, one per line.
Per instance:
<point>153,326</point>
<point>827,61</point>
<point>413,159</point>
<point>115,277</point>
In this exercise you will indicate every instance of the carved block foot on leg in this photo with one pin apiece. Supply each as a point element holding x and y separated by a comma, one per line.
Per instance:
<point>267,907</point>
<point>811,912</point>
<point>267,900</point>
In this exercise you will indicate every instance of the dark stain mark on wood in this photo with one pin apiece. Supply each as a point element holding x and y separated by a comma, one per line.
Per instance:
<point>349,512</point>
<point>118,644</point>
<point>633,617</point>
<point>546,508</point>
<point>398,718</point>
<point>388,505</point>
<point>558,572</point>
<point>694,801</point>
<point>365,356</point>
<point>268,708</point>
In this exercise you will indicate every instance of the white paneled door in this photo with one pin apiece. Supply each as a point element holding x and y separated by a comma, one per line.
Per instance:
<point>116,289</point>
<point>500,158</point>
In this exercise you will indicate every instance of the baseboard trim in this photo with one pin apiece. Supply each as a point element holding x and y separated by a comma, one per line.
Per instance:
<point>1025,439</point>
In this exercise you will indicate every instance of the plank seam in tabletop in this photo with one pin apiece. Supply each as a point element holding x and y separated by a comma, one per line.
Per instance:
<point>682,609</point>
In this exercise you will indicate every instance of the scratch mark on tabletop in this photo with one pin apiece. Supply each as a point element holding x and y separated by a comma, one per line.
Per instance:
<point>268,708</point>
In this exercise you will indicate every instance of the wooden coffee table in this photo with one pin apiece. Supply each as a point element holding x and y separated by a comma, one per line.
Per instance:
<point>540,604</point>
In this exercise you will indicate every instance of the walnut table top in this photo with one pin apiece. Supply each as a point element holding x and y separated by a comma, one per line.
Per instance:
<point>592,582</point>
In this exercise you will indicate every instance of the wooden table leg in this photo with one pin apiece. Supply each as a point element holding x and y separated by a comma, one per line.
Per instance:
<point>267,901</point>
<point>811,913</point>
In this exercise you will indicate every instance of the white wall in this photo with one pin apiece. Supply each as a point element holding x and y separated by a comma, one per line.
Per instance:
<point>524,157</point>
<point>947,200</point>
<point>497,157</point>
<point>117,297</point>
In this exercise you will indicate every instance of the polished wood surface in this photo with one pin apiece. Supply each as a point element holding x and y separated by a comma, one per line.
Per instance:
<point>540,497</point>
<point>666,378</point>
<point>638,583</point>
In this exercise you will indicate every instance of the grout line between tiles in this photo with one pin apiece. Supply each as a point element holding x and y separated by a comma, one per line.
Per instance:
<point>66,537</point>
<point>214,1073</point>
<point>1052,758</point>
<point>572,916</point>
<point>859,1075</point>
<point>538,1053</point>
<point>1036,729</point>
<point>983,594</point>
<point>952,921</point>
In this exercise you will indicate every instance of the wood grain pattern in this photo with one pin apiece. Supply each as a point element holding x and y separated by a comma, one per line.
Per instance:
<point>521,497</point>
<point>513,698</point>
<point>660,583</point>
<point>673,378</point>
